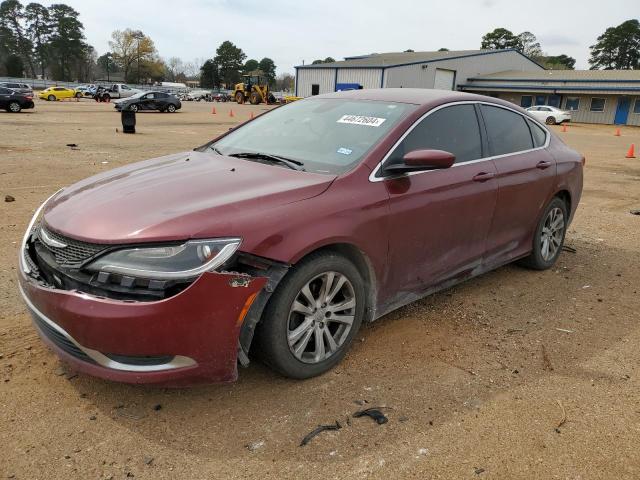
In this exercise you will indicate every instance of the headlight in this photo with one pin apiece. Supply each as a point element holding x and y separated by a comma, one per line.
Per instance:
<point>168,262</point>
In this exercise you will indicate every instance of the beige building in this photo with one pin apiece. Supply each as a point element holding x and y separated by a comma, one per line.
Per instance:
<point>593,96</point>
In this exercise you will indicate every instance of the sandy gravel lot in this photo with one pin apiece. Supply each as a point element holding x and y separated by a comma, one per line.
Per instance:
<point>476,377</point>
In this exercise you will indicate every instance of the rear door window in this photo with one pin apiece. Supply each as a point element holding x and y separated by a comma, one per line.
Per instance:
<point>454,129</point>
<point>507,131</point>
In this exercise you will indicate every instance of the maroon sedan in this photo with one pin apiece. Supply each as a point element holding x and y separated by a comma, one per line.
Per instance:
<point>283,236</point>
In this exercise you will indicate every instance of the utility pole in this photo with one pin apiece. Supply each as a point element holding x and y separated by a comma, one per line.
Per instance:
<point>108,57</point>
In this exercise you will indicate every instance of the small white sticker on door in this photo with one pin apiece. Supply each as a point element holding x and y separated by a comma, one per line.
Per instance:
<point>362,120</point>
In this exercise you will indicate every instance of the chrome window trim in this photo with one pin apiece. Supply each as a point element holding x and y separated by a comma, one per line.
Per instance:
<point>374,172</point>
<point>178,361</point>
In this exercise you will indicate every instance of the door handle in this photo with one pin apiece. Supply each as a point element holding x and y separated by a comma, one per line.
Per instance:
<point>543,164</point>
<point>484,176</point>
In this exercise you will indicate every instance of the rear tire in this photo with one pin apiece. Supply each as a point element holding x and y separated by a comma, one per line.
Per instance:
<point>78,95</point>
<point>305,332</point>
<point>548,238</point>
<point>14,107</point>
<point>240,98</point>
<point>171,108</point>
<point>550,121</point>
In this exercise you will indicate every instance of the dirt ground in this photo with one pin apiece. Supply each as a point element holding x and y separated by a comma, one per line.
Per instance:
<point>477,379</point>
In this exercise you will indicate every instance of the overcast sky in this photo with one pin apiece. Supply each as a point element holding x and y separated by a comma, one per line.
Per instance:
<point>290,31</point>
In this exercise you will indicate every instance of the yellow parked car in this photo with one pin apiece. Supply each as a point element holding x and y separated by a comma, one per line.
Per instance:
<point>58,93</point>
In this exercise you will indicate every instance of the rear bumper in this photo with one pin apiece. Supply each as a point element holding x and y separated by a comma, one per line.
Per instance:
<point>189,338</point>
<point>28,105</point>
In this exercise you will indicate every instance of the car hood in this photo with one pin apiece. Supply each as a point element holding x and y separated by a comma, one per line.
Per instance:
<point>177,197</point>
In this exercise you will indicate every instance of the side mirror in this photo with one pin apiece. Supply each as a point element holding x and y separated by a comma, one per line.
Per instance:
<point>420,160</point>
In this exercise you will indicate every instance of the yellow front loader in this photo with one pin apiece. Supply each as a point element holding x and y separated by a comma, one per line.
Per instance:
<point>254,88</point>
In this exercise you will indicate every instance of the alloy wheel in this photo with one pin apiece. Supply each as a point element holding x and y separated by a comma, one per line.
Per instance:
<point>321,317</point>
<point>552,233</point>
<point>14,107</point>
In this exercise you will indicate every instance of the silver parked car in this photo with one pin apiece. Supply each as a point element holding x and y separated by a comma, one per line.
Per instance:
<point>22,88</point>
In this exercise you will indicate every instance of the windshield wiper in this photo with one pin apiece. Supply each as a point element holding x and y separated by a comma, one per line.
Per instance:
<point>293,164</point>
<point>215,149</point>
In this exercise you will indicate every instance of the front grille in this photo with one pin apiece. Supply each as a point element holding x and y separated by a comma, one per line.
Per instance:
<point>75,253</point>
<point>60,340</point>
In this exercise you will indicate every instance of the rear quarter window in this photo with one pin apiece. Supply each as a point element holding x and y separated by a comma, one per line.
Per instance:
<point>507,131</point>
<point>538,134</point>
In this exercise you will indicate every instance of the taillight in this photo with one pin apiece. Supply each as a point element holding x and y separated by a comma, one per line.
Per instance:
<point>28,98</point>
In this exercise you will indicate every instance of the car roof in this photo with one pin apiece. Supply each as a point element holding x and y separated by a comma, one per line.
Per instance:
<point>416,96</point>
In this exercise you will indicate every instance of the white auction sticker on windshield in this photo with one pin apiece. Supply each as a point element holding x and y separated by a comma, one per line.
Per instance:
<point>362,120</point>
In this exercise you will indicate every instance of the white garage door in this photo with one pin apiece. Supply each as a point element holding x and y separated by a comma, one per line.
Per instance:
<point>444,79</point>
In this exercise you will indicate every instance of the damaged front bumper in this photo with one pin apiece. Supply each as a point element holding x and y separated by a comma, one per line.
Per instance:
<point>192,336</point>
<point>189,338</point>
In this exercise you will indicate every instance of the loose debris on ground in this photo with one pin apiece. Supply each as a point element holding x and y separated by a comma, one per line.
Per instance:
<point>318,430</point>
<point>374,413</point>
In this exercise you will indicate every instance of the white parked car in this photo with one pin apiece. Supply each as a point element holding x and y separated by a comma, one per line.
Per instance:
<point>549,115</point>
<point>198,95</point>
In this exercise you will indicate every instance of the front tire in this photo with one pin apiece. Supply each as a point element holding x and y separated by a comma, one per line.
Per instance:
<point>14,107</point>
<point>240,98</point>
<point>133,108</point>
<point>549,236</point>
<point>255,98</point>
<point>312,318</point>
<point>51,98</point>
<point>551,121</point>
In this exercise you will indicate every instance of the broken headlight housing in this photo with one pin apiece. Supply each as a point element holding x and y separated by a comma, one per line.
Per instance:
<point>170,262</point>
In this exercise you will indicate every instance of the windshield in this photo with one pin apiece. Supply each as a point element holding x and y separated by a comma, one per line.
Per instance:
<point>138,95</point>
<point>326,135</point>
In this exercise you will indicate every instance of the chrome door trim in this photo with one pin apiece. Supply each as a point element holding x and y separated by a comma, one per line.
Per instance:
<point>374,172</point>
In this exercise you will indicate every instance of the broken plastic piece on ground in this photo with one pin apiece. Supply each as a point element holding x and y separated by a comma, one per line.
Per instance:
<point>567,248</point>
<point>374,413</point>
<point>72,144</point>
<point>635,212</point>
<point>319,429</point>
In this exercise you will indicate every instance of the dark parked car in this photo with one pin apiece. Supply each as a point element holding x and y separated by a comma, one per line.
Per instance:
<point>163,102</point>
<point>13,101</point>
<point>18,87</point>
<point>291,231</point>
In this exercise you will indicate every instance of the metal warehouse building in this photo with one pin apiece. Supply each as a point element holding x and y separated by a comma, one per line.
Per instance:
<point>593,96</point>
<point>442,70</point>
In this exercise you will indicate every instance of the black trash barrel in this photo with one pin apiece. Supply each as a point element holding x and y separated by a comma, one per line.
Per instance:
<point>128,121</point>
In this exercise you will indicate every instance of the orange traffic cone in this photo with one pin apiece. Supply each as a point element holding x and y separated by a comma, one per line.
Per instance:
<point>213,110</point>
<point>564,128</point>
<point>231,113</point>
<point>631,152</point>
<point>617,134</point>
